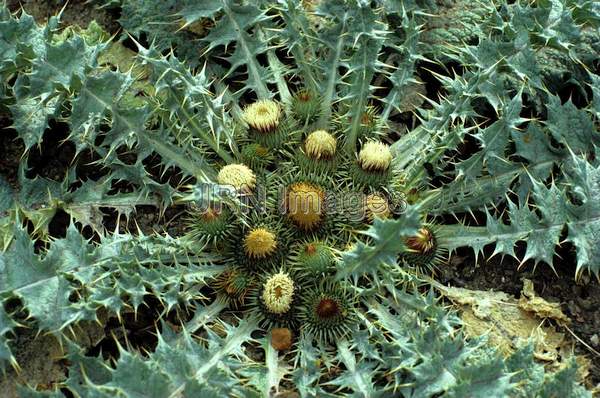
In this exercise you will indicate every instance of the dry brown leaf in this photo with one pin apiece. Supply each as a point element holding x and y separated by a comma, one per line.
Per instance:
<point>509,322</point>
<point>542,308</point>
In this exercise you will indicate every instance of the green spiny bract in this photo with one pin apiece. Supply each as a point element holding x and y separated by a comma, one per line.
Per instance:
<point>234,285</point>
<point>305,106</point>
<point>312,256</point>
<point>423,252</point>
<point>237,123</point>
<point>256,156</point>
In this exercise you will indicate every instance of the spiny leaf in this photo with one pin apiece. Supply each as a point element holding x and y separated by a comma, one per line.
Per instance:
<point>386,243</point>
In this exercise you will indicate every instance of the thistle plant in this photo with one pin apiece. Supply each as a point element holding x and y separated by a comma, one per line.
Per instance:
<point>307,207</point>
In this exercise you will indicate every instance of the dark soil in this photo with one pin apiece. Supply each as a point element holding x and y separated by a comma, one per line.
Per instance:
<point>150,220</point>
<point>76,12</point>
<point>11,150</point>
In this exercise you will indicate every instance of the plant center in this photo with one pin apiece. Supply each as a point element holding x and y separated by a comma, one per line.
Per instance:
<point>327,308</point>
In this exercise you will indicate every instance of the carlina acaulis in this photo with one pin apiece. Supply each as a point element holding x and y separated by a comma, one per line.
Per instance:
<point>313,146</point>
<point>263,116</point>
<point>305,205</point>
<point>320,145</point>
<point>260,243</point>
<point>239,176</point>
<point>375,156</point>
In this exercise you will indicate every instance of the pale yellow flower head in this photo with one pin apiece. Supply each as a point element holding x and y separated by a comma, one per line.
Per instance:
<point>278,293</point>
<point>260,243</point>
<point>320,144</point>
<point>238,176</point>
<point>263,116</point>
<point>375,156</point>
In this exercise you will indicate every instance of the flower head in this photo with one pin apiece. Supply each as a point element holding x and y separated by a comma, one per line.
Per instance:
<point>375,156</point>
<point>278,293</point>
<point>281,338</point>
<point>313,257</point>
<point>320,144</point>
<point>239,176</point>
<point>234,284</point>
<point>423,242</point>
<point>263,116</point>
<point>260,243</point>
<point>305,204</point>
<point>326,312</point>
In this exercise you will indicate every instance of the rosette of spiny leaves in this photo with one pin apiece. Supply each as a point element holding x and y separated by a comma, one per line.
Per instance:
<point>298,146</point>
